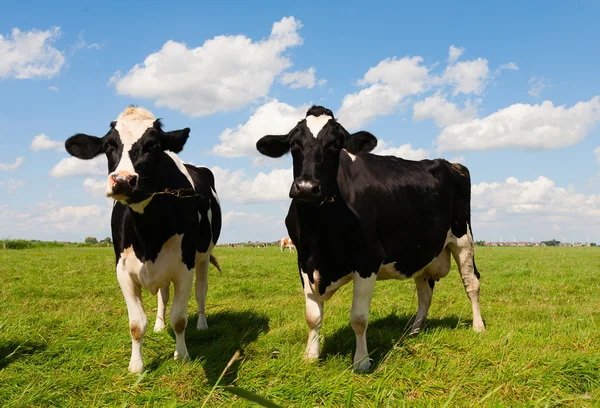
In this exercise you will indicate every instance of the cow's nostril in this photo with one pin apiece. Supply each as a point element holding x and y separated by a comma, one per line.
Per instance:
<point>133,181</point>
<point>316,187</point>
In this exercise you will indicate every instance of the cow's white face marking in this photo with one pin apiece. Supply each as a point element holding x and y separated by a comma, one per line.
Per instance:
<point>131,125</point>
<point>316,123</point>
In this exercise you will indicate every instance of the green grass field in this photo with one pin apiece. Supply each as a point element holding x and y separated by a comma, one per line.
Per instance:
<point>64,338</point>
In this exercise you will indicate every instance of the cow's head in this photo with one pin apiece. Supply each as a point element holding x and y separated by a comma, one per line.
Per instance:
<point>133,146</point>
<point>316,143</point>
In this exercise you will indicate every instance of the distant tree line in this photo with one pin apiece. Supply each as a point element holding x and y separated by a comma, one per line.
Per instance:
<point>29,244</point>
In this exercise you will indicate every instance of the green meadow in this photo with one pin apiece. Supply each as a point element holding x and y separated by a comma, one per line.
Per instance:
<point>64,338</point>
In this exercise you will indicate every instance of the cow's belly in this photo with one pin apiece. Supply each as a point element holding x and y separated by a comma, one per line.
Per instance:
<point>156,274</point>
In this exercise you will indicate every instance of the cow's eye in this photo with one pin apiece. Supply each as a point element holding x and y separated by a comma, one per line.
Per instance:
<point>294,145</point>
<point>149,147</point>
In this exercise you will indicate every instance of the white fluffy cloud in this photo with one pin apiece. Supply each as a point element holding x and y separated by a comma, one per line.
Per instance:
<point>390,81</point>
<point>442,111</point>
<point>597,154</point>
<point>532,127</point>
<point>273,118</point>
<point>301,79</point>
<point>225,73</point>
<point>540,204</point>
<point>51,220</point>
<point>30,55</point>
<point>72,166</point>
<point>11,166</point>
<point>405,151</point>
<point>43,142</point>
<point>94,187</point>
<point>454,54</point>
<point>467,76</point>
<point>235,187</point>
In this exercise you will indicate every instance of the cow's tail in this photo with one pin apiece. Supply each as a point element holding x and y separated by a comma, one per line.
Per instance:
<point>215,262</point>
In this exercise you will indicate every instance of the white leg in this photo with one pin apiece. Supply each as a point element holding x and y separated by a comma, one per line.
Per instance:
<point>132,292</point>
<point>201,290</point>
<point>314,319</point>
<point>163,300</point>
<point>463,253</point>
<point>359,318</point>
<point>183,287</point>
<point>281,247</point>
<point>424,294</point>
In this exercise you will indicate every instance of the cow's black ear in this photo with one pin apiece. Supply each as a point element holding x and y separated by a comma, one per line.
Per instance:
<point>360,142</point>
<point>175,139</point>
<point>274,146</point>
<point>84,146</point>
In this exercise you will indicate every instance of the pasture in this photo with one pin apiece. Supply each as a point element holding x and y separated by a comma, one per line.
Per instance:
<point>64,338</point>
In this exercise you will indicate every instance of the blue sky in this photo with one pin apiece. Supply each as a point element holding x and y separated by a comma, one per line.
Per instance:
<point>510,89</point>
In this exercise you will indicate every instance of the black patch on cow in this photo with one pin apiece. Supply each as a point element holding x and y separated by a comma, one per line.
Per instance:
<point>431,283</point>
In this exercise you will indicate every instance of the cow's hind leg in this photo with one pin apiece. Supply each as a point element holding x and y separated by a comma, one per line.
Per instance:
<point>181,294</point>
<point>163,300</point>
<point>201,290</point>
<point>424,294</point>
<point>463,250</point>
<point>132,292</point>
<point>359,319</point>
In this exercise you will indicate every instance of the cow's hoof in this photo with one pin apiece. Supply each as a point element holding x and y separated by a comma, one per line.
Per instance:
<point>479,328</point>
<point>362,366</point>
<point>159,326</point>
<point>310,356</point>
<point>185,357</point>
<point>201,325</point>
<point>136,366</point>
<point>414,331</point>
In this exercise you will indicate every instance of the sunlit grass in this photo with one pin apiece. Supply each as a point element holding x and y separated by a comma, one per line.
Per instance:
<point>64,337</point>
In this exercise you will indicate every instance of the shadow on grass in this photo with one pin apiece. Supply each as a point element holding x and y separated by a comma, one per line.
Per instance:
<point>12,351</point>
<point>227,333</point>
<point>382,335</point>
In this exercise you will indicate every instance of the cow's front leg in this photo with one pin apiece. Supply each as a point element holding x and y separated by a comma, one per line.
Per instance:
<point>201,290</point>
<point>181,294</point>
<point>163,300</point>
<point>314,319</point>
<point>359,318</point>
<point>132,291</point>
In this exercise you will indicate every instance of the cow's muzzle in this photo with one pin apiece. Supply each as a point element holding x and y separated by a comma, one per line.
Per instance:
<point>306,189</point>
<point>121,185</point>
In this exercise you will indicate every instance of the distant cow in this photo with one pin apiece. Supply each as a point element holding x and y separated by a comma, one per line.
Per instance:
<point>286,243</point>
<point>165,221</point>
<point>361,217</point>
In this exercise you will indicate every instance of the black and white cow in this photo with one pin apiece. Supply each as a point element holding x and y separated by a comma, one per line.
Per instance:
<point>360,217</point>
<point>165,221</point>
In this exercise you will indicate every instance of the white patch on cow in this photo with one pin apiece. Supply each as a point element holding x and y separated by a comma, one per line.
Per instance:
<point>139,207</point>
<point>352,156</point>
<point>331,288</point>
<point>181,166</point>
<point>316,123</point>
<point>214,193</point>
<point>132,123</point>
<point>314,318</point>
<point>359,318</point>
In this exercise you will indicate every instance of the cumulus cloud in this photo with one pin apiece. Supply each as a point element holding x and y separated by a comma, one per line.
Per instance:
<point>53,88</point>
<point>442,111</point>
<point>467,76</point>
<point>224,74</point>
<point>30,55</point>
<point>11,166</point>
<point>454,54</point>
<point>272,118</point>
<point>72,166</point>
<point>539,204</point>
<point>236,187</point>
<point>532,127</point>
<point>536,86</point>
<point>597,154</point>
<point>94,187</point>
<point>388,83</point>
<point>301,79</point>
<point>12,185</point>
<point>43,142</point>
<point>51,220</point>
<point>405,151</point>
